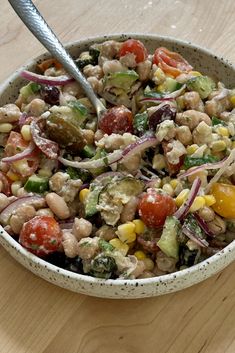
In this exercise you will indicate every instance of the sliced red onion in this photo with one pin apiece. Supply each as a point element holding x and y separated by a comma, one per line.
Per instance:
<point>22,119</point>
<point>183,210</point>
<point>24,154</point>
<point>206,166</point>
<point>46,80</point>
<point>108,174</point>
<point>188,232</point>
<point>138,147</point>
<point>90,164</point>
<point>155,100</point>
<point>117,156</point>
<point>66,225</point>
<point>19,202</point>
<point>203,225</point>
<point>48,147</point>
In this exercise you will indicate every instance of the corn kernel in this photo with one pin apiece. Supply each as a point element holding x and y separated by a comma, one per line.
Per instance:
<point>192,149</point>
<point>218,146</point>
<point>140,255</point>
<point>26,132</point>
<point>198,203</point>
<point>223,131</point>
<point>232,100</point>
<point>174,183</point>
<point>15,186</point>
<point>119,245</point>
<point>5,127</point>
<point>168,189</point>
<point>181,198</point>
<point>21,165</point>
<point>126,232</point>
<point>159,76</point>
<point>209,199</point>
<point>139,226</point>
<point>13,176</point>
<point>149,264</point>
<point>158,162</point>
<point>195,73</point>
<point>83,195</point>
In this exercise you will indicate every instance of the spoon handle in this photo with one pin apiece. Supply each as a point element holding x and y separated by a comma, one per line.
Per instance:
<point>32,18</point>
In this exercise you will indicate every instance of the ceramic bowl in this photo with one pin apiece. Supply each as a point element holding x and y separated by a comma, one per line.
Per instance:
<point>202,60</point>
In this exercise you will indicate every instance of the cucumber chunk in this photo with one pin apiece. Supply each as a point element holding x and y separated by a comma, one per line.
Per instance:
<point>37,184</point>
<point>168,242</point>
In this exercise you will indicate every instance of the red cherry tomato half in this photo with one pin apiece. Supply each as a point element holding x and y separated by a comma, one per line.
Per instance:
<point>135,47</point>
<point>41,235</point>
<point>170,62</point>
<point>15,144</point>
<point>154,207</point>
<point>117,120</point>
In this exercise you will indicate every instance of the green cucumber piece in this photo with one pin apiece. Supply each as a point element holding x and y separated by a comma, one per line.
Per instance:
<point>168,86</point>
<point>37,184</point>
<point>30,89</point>
<point>168,242</point>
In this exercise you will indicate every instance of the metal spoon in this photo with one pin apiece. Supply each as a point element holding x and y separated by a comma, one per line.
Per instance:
<point>32,18</point>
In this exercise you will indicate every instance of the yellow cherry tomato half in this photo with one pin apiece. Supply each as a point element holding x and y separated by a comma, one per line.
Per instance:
<point>225,199</point>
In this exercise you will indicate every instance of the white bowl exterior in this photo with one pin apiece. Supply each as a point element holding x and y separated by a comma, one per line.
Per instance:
<point>203,61</point>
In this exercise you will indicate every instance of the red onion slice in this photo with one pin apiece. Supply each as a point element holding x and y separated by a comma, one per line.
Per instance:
<point>183,210</point>
<point>46,80</point>
<point>155,100</point>
<point>101,162</point>
<point>24,200</point>
<point>117,156</point>
<point>206,166</point>
<point>203,225</point>
<point>201,242</point>
<point>138,147</point>
<point>48,147</point>
<point>24,154</point>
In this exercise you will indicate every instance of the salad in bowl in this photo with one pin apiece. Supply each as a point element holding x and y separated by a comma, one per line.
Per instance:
<point>147,190</point>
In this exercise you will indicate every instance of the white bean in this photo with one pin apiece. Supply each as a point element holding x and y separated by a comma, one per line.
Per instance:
<point>57,205</point>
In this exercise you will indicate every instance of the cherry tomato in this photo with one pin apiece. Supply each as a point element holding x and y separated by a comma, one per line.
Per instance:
<point>15,144</point>
<point>170,62</point>
<point>135,47</point>
<point>116,120</point>
<point>41,235</point>
<point>154,207</point>
<point>225,199</point>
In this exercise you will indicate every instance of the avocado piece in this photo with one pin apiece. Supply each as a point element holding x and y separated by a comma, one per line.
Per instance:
<point>168,242</point>
<point>125,188</point>
<point>65,130</point>
<point>204,85</point>
<point>121,79</point>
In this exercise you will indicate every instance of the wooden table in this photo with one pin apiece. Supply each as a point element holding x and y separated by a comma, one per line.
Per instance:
<point>38,317</point>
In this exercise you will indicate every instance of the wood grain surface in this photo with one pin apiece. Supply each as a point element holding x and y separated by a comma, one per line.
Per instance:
<point>37,317</point>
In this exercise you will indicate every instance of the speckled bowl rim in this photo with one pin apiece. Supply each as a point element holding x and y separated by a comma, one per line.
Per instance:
<point>137,286</point>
